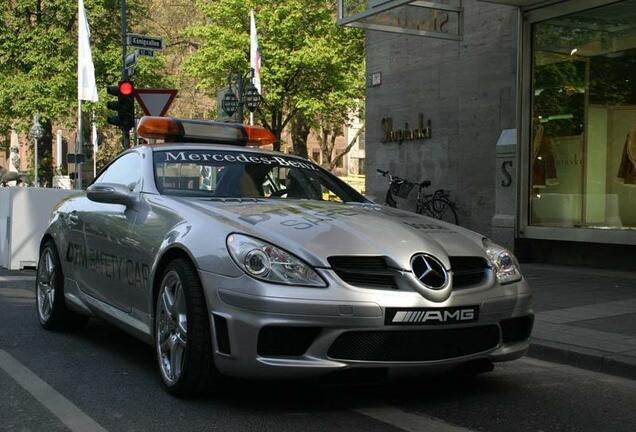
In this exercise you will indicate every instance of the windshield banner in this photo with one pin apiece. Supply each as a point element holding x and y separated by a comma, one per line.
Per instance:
<point>221,157</point>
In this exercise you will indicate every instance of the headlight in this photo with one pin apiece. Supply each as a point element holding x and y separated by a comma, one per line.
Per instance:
<point>503,263</point>
<point>269,263</point>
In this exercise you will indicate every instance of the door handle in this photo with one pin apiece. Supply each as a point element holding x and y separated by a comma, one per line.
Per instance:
<point>73,218</point>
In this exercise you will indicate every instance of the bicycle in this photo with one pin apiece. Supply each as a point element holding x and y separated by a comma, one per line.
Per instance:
<point>437,205</point>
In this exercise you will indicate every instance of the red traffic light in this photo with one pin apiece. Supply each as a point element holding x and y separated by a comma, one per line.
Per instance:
<point>126,88</point>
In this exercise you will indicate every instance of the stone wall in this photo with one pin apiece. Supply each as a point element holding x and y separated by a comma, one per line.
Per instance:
<point>467,89</point>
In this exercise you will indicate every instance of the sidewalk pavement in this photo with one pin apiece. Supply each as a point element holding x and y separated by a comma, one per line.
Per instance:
<point>584,317</point>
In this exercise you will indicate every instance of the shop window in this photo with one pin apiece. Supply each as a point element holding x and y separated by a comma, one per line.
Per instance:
<point>583,152</point>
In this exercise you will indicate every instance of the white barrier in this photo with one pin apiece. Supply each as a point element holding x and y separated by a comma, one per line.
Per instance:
<point>24,215</point>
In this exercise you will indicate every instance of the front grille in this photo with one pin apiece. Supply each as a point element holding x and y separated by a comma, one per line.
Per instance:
<point>468,271</point>
<point>374,272</point>
<point>358,262</point>
<point>369,272</point>
<point>414,345</point>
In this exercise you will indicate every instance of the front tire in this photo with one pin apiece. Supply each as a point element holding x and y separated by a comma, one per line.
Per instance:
<point>49,293</point>
<point>183,341</point>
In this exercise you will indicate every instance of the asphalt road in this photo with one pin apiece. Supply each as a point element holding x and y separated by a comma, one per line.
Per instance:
<point>101,379</point>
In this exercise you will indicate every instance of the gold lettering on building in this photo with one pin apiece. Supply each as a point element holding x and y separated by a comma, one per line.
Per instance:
<point>436,22</point>
<point>400,135</point>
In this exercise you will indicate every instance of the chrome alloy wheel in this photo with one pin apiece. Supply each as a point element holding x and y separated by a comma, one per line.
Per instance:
<point>46,285</point>
<point>171,328</point>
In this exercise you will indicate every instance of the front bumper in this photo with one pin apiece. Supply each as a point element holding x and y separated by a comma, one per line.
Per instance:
<point>242,307</point>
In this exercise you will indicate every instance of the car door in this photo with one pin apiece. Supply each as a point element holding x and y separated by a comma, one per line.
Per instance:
<point>75,256</point>
<point>110,238</point>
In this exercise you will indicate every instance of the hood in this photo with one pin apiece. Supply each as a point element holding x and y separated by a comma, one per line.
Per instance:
<point>316,230</point>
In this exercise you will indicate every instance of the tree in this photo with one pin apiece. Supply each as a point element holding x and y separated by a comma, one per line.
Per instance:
<point>306,56</point>
<point>38,60</point>
<point>327,136</point>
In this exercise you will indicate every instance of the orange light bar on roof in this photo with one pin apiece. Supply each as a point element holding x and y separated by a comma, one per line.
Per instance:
<point>259,136</point>
<point>159,128</point>
<point>203,131</point>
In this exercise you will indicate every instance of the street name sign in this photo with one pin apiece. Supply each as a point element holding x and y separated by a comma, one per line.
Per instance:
<point>155,102</point>
<point>145,52</point>
<point>145,42</point>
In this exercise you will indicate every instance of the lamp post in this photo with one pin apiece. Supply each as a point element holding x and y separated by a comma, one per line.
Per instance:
<point>36,133</point>
<point>246,94</point>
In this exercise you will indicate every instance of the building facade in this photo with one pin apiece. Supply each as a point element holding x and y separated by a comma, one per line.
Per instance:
<point>524,110</point>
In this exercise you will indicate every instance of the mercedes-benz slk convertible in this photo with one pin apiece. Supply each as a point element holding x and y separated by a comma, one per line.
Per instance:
<point>236,261</point>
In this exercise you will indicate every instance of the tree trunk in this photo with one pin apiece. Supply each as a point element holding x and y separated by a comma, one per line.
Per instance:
<point>300,132</point>
<point>45,155</point>
<point>346,150</point>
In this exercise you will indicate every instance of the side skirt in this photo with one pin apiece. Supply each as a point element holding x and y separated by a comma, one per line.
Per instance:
<point>81,302</point>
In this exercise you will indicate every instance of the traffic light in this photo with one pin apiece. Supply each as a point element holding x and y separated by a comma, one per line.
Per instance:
<point>125,105</point>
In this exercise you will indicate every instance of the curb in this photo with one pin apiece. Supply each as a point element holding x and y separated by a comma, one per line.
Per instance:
<point>584,358</point>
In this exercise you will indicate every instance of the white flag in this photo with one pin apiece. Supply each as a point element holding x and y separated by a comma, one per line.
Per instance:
<point>255,55</point>
<point>86,87</point>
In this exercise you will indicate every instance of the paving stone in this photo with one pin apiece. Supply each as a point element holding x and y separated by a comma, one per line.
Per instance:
<point>622,324</point>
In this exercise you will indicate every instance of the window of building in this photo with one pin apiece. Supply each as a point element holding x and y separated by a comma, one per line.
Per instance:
<point>361,166</point>
<point>361,141</point>
<point>583,152</point>
<point>315,156</point>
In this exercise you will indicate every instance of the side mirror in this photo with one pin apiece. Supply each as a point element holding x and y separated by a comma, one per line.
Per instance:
<point>111,193</point>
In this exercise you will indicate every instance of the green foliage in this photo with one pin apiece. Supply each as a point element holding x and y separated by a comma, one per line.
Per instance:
<point>309,64</point>
<point>38,63</point>
<point>38,57</point>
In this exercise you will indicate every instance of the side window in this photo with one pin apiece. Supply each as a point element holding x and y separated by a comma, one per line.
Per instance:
<point>126,170</point>
<point>275,182</point>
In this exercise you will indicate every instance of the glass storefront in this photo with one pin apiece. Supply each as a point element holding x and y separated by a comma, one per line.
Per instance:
<point>583,150</point>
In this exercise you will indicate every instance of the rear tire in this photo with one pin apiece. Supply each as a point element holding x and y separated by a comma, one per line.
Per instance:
<point>51,309</point>
<point>183,340</point>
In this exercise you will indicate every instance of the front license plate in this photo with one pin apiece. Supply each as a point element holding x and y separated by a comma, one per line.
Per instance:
<point>431,316</point>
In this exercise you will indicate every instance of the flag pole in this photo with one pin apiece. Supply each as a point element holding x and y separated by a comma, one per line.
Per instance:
<point>86,86</point>
<point>94,142</point>
<point>78,146</point>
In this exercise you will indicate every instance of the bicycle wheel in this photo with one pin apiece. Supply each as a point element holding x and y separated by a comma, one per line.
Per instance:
<point>439,208</point>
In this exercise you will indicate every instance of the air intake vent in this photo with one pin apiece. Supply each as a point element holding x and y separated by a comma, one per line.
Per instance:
<point>468,271</point>
<point>414,345</point>
<point>364,271</point>
<point>275,341</point>
<point>222,334</point>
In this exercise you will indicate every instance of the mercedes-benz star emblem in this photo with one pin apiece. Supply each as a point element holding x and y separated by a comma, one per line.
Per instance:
<point>429,271</point>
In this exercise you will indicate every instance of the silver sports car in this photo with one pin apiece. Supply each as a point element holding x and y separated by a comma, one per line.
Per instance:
<point>237,261</point>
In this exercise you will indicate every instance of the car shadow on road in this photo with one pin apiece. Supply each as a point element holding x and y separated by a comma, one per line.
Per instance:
<point>355,389</point>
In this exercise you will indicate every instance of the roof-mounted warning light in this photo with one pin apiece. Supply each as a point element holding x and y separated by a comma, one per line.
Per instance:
<point>171,129</point>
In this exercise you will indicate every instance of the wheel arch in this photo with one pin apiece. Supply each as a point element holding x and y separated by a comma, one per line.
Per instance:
<point>167,256</point>
<point>45,238</point>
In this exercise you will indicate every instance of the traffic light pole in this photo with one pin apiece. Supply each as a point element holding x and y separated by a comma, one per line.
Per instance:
<point>125,138</point>
<point>123,38</point>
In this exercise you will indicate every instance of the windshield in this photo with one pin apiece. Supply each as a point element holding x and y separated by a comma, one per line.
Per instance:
<point>235,174</point>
